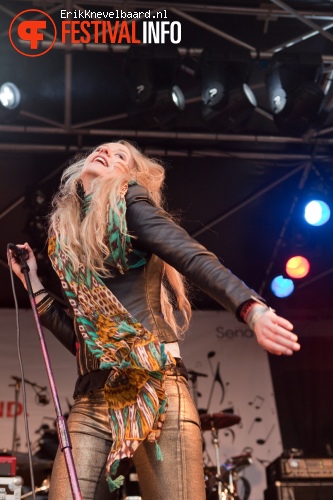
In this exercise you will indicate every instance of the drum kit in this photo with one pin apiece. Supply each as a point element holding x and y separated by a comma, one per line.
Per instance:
<point>221,479</point>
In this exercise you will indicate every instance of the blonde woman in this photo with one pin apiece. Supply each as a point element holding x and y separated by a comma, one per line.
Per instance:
<point>121,261</point>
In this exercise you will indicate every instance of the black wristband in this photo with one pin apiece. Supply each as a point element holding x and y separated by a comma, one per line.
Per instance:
<point>39,292</point>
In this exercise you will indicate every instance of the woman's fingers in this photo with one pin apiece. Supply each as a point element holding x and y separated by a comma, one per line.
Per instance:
<point>274,334</point>
<point>282,321</point>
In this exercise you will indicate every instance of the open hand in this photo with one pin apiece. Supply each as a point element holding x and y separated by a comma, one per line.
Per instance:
<point>274,333</point>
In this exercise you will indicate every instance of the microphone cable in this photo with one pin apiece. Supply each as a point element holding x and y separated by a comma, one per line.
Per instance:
<point>24,395</point>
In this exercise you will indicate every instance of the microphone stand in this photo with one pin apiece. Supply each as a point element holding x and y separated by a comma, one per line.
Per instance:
<point>62,429</point>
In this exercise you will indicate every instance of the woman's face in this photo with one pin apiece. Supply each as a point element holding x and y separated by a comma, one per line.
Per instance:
<point>108,160</point>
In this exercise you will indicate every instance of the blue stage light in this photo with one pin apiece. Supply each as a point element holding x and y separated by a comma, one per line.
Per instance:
<point>317,212</point>
<point>282,287</point>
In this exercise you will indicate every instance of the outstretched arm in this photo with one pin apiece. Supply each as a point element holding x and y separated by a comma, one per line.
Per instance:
<point>157,233</point>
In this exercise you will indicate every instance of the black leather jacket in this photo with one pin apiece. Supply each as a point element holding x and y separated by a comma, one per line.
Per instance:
<point>139,289</point>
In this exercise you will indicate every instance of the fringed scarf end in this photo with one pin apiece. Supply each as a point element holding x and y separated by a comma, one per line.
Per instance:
<point>164,356</point>
<point>158,452</point>
<point>114,484</point>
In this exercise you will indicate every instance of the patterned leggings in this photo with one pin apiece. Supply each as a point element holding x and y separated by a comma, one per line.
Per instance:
<point>179,476</point>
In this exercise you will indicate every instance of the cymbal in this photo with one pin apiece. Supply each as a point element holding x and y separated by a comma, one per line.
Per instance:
<point>218,420</point>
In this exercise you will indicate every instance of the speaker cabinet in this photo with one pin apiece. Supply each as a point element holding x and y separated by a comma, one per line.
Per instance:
<point>300,491</point>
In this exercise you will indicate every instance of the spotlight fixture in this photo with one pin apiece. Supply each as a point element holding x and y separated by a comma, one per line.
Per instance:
<point>10,95</point>
<point>295,94</point>
<point>151,72</point>
<point>10,98</point>
<point>167,106</point>
<point>178,97</point>
<point>228,101</point>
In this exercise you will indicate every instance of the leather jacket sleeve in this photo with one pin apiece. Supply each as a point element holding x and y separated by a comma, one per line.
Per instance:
<point>61,325</point>
<point>158,234</point>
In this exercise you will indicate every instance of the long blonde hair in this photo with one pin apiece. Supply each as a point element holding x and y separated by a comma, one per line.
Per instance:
<point>83,241</point>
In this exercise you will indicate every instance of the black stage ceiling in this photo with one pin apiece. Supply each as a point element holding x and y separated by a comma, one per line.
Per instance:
<point>238,188</point>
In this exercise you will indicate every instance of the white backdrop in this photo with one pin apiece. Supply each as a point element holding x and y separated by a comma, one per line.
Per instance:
<point>238,378</point>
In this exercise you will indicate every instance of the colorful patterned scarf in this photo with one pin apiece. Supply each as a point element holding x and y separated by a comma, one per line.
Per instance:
<point>134,390</point>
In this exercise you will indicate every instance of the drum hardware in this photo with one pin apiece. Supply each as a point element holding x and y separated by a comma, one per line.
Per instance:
<point>230,470</point>
<point>218,420</point>
<point>44,487</point>
<point>238,463</point>
<point>213,422</point>
<point>229,477</point>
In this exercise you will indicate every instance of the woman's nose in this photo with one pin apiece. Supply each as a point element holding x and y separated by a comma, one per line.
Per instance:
<point>106,150</point>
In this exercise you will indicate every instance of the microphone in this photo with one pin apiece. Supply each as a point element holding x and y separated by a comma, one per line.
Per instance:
<point>18,252</point>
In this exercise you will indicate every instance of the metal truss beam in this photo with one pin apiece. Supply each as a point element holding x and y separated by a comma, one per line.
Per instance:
<point>171,135</point>
<point>180,9</point>
<point>180,152</point>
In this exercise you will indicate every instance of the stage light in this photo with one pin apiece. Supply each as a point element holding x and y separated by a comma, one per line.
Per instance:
<point>10,98</point>
<point>178,97</point>
<point>282,287</point>
<point>295,92</point>
<point>10,95</point>
<point>317,213</point>
<point>297,267</point>
<point>228,101</point>
<point>151,73</point>
<point>167,106</point>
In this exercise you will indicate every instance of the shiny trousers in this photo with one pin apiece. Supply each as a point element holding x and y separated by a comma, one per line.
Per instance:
<point>179,476</point>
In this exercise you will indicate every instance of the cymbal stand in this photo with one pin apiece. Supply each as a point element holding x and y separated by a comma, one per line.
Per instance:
<point>215,443</point>
<point>231,486</point>
<point>224,492</point>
